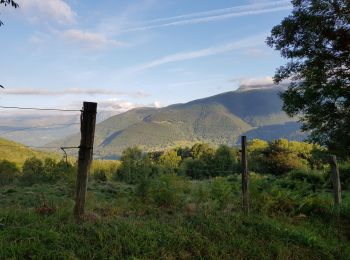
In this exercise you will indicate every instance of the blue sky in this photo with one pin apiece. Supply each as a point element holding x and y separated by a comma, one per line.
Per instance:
<point>123,54</point>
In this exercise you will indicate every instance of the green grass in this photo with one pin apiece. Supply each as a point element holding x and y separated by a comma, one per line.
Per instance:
<point>170,218</point>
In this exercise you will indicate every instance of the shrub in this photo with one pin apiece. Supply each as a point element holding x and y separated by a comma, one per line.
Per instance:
<point>194,168</point>
<point>33,171</point>
<point>167,190</point>
<point>100,175</point>
<point>169,161</point>
<point>104,170</point>
<point>344,171</point>
<point>66,171</point>
<point>221,190</point>
<point>135,167</point>
<point>225,161</point>
<point>309,176</point>
<point>8,172</point>
<point>281,162</point>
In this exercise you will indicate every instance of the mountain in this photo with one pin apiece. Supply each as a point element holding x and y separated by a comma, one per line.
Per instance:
<point>221,119</point>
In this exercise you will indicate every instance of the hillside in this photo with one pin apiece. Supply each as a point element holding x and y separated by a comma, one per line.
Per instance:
<point>219,119</point>
<point>18,153</point>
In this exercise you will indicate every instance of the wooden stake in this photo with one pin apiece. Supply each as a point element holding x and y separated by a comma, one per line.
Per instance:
<point>245,192</point>
<point>335,180</point>
<point>87,130</point>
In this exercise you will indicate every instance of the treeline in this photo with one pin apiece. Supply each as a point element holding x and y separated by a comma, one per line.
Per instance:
<point>35,170</point>
<point>200,161</point>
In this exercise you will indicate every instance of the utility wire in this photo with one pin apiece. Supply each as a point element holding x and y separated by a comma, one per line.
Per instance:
<point>39,147</point>
<point>42,109</point>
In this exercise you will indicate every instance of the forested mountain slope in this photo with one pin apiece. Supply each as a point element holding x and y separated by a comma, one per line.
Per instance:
<point>219,119</point>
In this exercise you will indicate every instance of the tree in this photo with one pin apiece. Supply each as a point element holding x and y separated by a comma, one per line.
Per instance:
<point>170,161</point>
<point>280,157</point>
<point>33,171</point>
<point>135,166</point>
<point>8,2</point>
<point>200,150</point>
<point>225,160</point>
<point>8,172</point>
<point>315,39</point>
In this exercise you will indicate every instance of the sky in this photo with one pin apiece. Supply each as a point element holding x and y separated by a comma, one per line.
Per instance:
<point>130,53</point>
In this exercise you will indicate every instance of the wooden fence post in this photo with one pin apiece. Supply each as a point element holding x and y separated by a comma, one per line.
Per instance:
<point>335,180</point>
<point>245,191</point>
<point>87,130</point>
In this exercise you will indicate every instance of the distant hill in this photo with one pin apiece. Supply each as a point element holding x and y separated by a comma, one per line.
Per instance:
<point>18,153</point>
<point>40,129</point>
<point>219,119</point>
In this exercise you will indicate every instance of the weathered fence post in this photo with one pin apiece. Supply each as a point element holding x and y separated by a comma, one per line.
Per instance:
<point>245,192</point>
<point>87,130</point>
<point>335,180</point>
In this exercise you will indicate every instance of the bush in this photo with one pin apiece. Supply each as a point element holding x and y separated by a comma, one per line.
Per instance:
<point>225,161</point>
<point>100,175</point>
<point>282,156</point>
<point>8,172</point>
<point>167,190</point>
<point>344,171</point>
<point>169,161</point>
<point>221,191</point>
<point>309,176</point>
<point>194,168</point>
<point>103,170</point>
<point>281,162</point>
<point>135,167</point>
<point>33,171</point>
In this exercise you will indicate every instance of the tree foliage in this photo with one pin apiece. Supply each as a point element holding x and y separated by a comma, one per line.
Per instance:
<point>8,172</point>
<point>315,39</point>
<point>135,166</point>
<point>8,2</point>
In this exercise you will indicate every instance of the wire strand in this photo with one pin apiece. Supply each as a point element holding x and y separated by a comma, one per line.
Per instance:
<point>42,109</point>
<point>39,147</point>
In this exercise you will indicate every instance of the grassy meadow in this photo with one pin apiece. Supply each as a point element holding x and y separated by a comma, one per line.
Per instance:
<point>165,206</point>
<point>173,217</point>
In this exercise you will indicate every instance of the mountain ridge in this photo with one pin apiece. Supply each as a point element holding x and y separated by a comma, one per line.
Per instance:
<point>219,119</point>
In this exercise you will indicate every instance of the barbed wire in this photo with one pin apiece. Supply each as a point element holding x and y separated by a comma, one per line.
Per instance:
<point>39,147</point>
<point>42,109</point>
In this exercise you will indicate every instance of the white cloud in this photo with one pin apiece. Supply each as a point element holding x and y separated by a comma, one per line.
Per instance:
<point>157,104</point>
<point>115,104</point>
<point>55,10</point>
<point>213,15</point>
<point>183,56</point>
<point>118,106</point>
<point>267,80</point>
<point>90,40</point>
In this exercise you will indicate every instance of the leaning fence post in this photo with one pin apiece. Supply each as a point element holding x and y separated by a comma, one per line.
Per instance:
<point>87,130</point>
<point>245,191</point>
<point>335,180</point>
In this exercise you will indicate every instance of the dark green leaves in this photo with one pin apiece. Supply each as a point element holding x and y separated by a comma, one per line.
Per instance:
<point>315,39</point>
